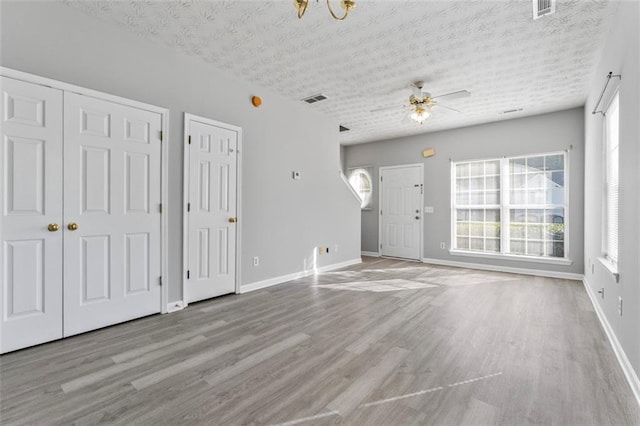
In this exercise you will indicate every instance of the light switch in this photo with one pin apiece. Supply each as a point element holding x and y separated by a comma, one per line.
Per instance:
<point>295,175</point>
<point>428,209</point>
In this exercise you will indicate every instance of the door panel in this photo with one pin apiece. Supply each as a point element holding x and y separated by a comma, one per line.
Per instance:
<point>401,200</point>
<point>212,194</point>
<point>31,182</point>
<point>112,193</point>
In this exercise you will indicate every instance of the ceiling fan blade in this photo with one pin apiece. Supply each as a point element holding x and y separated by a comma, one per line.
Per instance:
<point>446,107</point>
<point>387,108</point>
<point>454,95</point>
<point>407,118</point>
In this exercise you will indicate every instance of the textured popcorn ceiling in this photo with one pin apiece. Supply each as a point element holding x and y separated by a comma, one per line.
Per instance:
<point>492,48</point>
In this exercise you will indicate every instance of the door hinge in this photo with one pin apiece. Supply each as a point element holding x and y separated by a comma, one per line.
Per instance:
<point>160,280</point>
<point>161,135</point>
<point>380,178</point>
<point>160,207</point>
<point>188,274</point>
<point>380,245</point>
<point>380,212</point>
<point>189,139</point>
<point>188,207</point>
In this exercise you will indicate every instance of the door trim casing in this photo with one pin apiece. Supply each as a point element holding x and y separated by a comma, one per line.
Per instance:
<point>185,197</point>
<point>164,150</point>
<point>402,166</point>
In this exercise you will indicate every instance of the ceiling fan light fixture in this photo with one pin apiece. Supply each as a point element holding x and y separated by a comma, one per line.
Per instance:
<point>420,115</point>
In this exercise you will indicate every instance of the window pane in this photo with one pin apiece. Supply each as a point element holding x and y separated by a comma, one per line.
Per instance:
<point>476,215</point>
<point>462,198</point>
<point>535,163</point>
<point>462,170</point>
<point>492,197</point>
<point>476,169</point>
<point>518,165</point>
<point>476,198</point>
<point>517,247</point>
<point>492,167</point>
<point>554,162</point>
<point>492,245</point>
<point>493,215</point>
<point>493,182</point>
<point>462,184</point>
<point>477,244</point>
<point>477,229</point>
<point>462,215</point>
<point>518,180</point>
<point>535,248</point>
<point>462,243</point>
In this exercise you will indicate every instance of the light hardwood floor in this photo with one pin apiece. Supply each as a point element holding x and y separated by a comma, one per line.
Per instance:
<point>386,342</point>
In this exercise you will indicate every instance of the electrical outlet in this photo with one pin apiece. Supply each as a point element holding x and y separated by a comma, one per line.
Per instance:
<point>443,246</point>
<point>256,261</point>
<point>619,305</point>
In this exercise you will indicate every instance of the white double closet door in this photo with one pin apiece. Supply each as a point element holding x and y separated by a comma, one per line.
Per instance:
<point>80,210</point>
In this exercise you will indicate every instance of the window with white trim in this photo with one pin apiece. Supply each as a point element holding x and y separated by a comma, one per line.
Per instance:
<point>511,206</point>
<point>361,182</point>
<point>611,181</point>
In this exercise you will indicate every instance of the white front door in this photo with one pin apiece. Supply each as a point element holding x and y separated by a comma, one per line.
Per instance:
<point>112,225</point>
<point>401,211</point>
<point>31,206</point>
<point>212,216</point>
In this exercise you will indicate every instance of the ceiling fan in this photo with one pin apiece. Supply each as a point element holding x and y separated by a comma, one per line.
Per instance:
<point>421,102</point>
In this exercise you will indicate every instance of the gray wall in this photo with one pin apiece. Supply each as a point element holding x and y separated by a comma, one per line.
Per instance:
<point>283,220</point>
<point>620,55</point>
<point>537,134</point>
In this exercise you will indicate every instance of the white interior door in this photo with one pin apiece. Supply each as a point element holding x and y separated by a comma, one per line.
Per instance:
<point>112,195</point>
<point>212,195</point>
<point>401,211</point>
<point>31,182</point>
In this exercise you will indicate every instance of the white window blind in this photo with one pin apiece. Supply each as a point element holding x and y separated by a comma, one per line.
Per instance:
<point>611,186</point>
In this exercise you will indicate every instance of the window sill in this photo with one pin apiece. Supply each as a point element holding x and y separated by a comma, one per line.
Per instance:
<point>613,269</point>
<point>556,261</point>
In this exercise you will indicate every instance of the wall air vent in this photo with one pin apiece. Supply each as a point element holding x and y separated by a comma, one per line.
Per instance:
<point>344,129</point>
<point>315,98</point>
<point>543,8</point>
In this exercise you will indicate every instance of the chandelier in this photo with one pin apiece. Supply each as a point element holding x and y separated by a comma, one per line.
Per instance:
<point>347,5</point>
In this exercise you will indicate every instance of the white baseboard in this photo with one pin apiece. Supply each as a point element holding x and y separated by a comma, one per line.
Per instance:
<point>496,268</point>
<point>175,306</point>
<point>628,370</point>
<point>284,278</point>
<point>370,253</point>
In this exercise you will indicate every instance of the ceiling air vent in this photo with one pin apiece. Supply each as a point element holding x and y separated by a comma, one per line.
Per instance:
<point>344,129</point>
<point>315,98</point>
<point>543,8</point>
<point>511,111</point>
